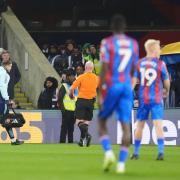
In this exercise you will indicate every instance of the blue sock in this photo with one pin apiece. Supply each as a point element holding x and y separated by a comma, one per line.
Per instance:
<point>123,153</point>
<point>105,142</point>
<point>160,142</point>
<point>137,144</point>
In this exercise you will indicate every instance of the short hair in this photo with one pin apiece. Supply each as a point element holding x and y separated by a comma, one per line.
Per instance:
<point>150,43</point>
<point>89,65</point>
<point>70,72</point>
<point>118,23</point>
<point>5,52</point>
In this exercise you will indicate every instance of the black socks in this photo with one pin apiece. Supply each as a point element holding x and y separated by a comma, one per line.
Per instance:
<point>84,129</point>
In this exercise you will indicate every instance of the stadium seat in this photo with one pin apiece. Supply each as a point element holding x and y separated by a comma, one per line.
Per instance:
<point>64,23</point>
<point>98,23</point>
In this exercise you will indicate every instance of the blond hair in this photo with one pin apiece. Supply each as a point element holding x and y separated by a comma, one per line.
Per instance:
<point>149,45</point>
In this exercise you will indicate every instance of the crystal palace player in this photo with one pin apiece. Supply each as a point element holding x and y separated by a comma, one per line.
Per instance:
<point>119,54</point>
<point>153,77</point>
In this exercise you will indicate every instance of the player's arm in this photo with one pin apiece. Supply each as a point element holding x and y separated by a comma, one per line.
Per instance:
<point>104,58</point>
<point>102,83</point>
<point>134,82</point>
<point>166,85</point>
<point>166,80</point>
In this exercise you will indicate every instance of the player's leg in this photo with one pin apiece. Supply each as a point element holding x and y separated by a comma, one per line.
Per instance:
<point>137,139</point>
<point>124,115</point>
<point>108,107</point>
<point>157,116</point>
<point>123,153</point>
<point>109,157</point>
<point>142,115</point>
<point>160,138</point>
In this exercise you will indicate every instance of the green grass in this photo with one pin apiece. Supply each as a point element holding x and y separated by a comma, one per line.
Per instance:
<point>70,162</point>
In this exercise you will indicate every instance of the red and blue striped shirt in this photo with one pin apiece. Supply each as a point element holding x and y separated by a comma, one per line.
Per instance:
<point>151,73</point>
<point>121,53</point>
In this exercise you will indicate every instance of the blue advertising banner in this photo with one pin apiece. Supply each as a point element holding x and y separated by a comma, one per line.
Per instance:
<point>44,127</point>
<point>171,126</point>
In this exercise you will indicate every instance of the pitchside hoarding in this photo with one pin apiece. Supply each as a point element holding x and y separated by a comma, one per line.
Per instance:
<point>171,126</point>
<point>44,127</point>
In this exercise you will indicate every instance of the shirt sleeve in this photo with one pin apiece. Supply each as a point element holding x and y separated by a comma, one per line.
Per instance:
<point>76,83</point>
<point>3,85</point>
<point>164,72</point>
<point>104,51</point>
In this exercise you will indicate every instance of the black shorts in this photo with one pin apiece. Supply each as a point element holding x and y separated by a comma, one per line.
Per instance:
<point>84,109</point>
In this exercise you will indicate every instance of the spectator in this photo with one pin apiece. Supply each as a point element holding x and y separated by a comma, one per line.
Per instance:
<point>76,58</point>
<point>177,90</point>
<point>13,72</point>
<point>67,107</point>
<point>45,49</point>
<point>60,61</point>
<point>94,57</point>
<point>48,97</point>
<point>70,44</point>
<point>79,69</point>
<point>63,76</point>
<point>3,6</point>
<point>52,53</point>
<point>86,52</point>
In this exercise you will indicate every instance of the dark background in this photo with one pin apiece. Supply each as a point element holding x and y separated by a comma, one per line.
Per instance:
<point>157,19</point>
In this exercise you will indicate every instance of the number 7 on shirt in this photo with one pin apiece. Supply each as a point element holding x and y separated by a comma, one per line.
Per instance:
<point>126,54</point>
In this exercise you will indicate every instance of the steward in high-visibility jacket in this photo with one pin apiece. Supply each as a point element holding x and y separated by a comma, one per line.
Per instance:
<point>67,107</point>
<point>69,104</point>
<point>93,57</point>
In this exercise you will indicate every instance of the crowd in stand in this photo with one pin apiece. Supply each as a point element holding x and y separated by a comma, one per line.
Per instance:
<point>70,55</point>
<point>65,58</point>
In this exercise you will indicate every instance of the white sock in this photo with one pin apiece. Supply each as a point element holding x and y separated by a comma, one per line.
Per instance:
<point>121,164</point>
<point>13,140</point>
<point>109,153</point>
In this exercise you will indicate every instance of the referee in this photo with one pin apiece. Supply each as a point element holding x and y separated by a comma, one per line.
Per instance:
<point>87,84</point>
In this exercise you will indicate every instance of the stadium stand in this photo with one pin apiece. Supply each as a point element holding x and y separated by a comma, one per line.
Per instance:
<point>31,62</point>
<point>87,22</point>
<point>21,98</point>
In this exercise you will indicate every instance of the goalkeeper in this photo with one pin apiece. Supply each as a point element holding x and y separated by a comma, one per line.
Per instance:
<point>4,101</point>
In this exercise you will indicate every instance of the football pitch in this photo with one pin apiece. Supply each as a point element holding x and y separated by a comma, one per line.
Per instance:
<point>61,162</point>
